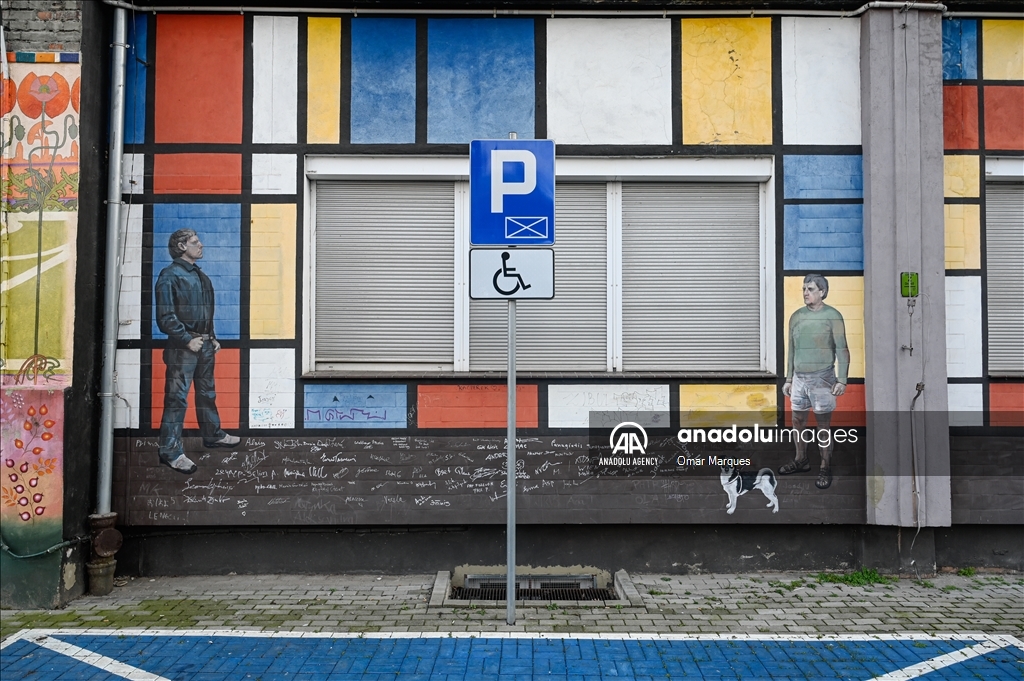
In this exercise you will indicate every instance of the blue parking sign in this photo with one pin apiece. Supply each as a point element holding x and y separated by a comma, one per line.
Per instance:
<point>512,192</point>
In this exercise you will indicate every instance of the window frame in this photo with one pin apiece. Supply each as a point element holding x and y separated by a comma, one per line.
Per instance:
<point>1001,170</point>
<point>611,170</point>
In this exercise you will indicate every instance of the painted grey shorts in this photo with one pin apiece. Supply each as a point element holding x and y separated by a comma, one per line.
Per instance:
<point>814,391</point>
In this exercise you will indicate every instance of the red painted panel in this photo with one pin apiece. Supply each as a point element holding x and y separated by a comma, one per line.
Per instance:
<point>1004,117</point>
<point>1006,404</point>
<point>850,408</point>
<point>227,376</point>
<point>960,116</point>
<point>474,406</point>
<point>197,174</point>
<point>199,78</point>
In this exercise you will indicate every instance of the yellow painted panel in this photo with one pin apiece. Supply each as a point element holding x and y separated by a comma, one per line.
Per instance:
<point>37,288</point>
<point>272,271</point>
<point>323,81</point>
<point>727,81</point>
<point>846,294</point>
<point>709,406</point>
<point>963,237</point>
<point>1003,49</point>
<point>962,176</point>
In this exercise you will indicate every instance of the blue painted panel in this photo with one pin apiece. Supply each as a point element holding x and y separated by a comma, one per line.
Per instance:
<point>959,49</point>
<point>355,406</point>
<point>823,177</point>
<point>135,81</point>
<point>825,237</point>
<point>480,79</point>
<point>219,228</point>
<point>383,81</point>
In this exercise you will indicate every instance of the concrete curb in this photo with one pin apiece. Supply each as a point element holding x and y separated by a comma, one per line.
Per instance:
<point>624,587</point>
<point>442,585</point>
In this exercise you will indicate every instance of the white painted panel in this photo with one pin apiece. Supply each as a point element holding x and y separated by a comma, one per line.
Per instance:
<point>127,387</point>
<point>129,302</point>
<point>569,406</point>
<point>272,388</point>
<point>820,80</point>
<point>963,326</point>
<point>133,173</point>
<point>609,81</point>
<point>273,173</point>
<point>274,79</point>
<point>966,404</point>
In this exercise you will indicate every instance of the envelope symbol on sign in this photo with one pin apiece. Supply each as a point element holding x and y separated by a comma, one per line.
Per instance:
<point>526,228</point>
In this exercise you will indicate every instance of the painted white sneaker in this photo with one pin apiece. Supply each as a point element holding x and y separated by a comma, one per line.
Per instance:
<point>226,441</point>
<point>182,464</point>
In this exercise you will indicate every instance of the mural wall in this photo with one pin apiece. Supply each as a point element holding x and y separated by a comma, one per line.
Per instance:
<point>983,101</point>
<point>39,179</point>
<point>220,426</point>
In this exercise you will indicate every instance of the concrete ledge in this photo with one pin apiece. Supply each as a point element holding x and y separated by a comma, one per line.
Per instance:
<point>624,587</point>
<point>622,584</point>
<point>442,585</point>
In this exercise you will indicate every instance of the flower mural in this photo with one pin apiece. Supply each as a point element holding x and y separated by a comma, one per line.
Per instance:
<point>8,93</point>
<point>39,167</point>
<point>44,94</point>
<point>31,489</point>
<point>38,206</point>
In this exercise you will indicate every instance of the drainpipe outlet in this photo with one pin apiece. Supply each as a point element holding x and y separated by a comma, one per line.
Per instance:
<point>106,541</point>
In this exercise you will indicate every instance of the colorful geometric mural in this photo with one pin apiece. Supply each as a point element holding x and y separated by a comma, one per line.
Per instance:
<point>976,53</point>
<point>344,82</point>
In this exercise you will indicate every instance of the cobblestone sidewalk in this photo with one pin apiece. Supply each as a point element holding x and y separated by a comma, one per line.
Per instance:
<point>783,603</point>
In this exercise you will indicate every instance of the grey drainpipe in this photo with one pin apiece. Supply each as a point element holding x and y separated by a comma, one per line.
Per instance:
<point>106,539</point>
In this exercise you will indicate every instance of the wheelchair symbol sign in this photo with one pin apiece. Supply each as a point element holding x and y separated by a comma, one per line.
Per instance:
<point>504,274</point>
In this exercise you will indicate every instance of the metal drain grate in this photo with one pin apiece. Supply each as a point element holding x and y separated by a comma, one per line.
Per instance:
<point>569,592</point>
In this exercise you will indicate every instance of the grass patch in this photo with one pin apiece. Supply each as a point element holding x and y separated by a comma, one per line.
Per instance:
<point>967,572</point>
<point>788,586</point>
<point>862,577</point>
<point>655,592</point>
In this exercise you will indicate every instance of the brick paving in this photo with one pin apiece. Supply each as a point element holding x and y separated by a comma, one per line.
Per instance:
<point>775,603</point>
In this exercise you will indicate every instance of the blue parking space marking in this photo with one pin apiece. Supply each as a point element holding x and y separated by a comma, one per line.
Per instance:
<point>209,655</point>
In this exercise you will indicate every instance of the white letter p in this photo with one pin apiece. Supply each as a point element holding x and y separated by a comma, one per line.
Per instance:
<point>499,188</point>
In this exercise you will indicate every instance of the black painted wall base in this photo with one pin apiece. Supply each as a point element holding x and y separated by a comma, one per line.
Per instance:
<point>637,548</point>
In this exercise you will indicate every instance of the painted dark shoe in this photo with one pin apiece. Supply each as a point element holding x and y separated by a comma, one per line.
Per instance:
<point>227,441</point>
<point>795,466</point>
<point>824,480</point>
<point>182,464</point>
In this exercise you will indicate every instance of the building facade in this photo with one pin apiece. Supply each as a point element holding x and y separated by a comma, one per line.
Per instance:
<point>708,162</point>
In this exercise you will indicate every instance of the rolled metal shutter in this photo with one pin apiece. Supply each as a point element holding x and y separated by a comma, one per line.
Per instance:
<point>569,332</point>
<point>1004,246</point>
<point>385,274</point>
<point>690,277</point>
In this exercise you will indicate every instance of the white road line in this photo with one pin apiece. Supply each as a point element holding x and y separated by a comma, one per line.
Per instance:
<point>107,664</point>
<point>1003,640</point>
<point>942,661</point>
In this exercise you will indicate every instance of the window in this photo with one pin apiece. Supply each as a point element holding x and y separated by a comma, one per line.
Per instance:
<point>660,265</point>
<point>1004,246</point>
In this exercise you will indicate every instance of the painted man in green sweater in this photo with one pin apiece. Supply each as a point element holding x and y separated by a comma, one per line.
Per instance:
<point>817,339</point>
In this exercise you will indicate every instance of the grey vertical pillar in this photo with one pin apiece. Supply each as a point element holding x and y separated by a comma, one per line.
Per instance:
<point>901,118</point>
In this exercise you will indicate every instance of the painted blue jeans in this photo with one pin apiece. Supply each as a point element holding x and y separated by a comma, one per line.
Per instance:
<point>183,368</point>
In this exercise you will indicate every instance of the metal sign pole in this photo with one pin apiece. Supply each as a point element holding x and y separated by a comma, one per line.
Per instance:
<point>510,467</point>
<point>510,472</point>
